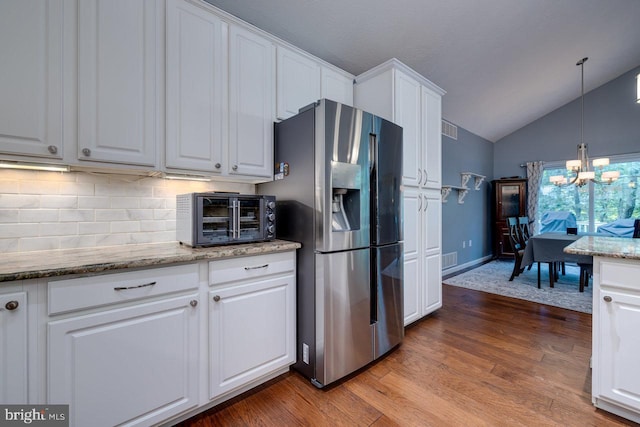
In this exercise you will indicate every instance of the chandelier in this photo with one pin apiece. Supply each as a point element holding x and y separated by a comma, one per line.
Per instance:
<point>580,169</point>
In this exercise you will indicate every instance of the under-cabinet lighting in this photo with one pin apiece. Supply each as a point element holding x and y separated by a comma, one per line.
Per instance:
<point>188,177</point>
<point>33,166</point>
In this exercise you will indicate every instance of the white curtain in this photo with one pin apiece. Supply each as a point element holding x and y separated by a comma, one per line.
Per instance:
<point>534,176</point>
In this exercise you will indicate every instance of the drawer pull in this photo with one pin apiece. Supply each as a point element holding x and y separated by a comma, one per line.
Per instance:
<point>257,267</point>
<point>607,298</point>
<point>216,298</point>
<point>12,305</point>
<point>193,303</point>
<point>124,288</point>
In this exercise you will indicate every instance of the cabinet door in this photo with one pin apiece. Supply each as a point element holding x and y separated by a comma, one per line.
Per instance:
<point>618,348</point>
<point>13,348</point>
<point>432,226</point>
<point>251,103</point>
<point>412,214</point>
<point>118,75</point>
<point>252,331</point>
<point>407,114</point>
<point>336,86</point>
<point>32,78</point>
<point>432,231</point>
<point>135,365</point>
<point>432,299</point>
<point>298,82</point>
<point>432,139</point>
<point>196,88</point>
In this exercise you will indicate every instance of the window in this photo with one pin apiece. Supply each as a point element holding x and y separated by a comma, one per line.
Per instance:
<point>594,204</point>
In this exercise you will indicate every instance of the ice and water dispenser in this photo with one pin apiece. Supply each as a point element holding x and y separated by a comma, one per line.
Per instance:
<point>346,184</point>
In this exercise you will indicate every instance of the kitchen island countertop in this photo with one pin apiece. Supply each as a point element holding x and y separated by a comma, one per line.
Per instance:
<point>612,247</point>
<point>51,263</point>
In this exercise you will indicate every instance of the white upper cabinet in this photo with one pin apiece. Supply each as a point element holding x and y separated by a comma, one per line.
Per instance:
<point>395,92</point>
<point>301,80</point>
<point>31,87</point>
<point>407,114</point>
<point>298,82</point>
<point>196,88</point>
<point>337,86</point>
<point>431,139</point>
<point>118,80</point>
<point>251,103</point>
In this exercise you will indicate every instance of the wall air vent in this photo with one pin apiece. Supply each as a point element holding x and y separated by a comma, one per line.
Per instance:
<point>449,130</point>
<point>449,260</point>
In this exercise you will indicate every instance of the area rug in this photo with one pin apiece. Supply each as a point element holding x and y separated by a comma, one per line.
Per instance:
<point>493,277</point>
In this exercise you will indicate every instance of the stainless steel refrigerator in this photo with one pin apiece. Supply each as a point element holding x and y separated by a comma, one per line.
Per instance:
<point>337,188</point>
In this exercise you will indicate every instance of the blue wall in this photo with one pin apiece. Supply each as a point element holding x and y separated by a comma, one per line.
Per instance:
<point>611,126</point>
<point>472,219</point>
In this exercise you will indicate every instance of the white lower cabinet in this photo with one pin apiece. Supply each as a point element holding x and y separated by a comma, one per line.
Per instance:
<point>124,365</point>
<point>422,253</point>
<point>13,348</point>
<point>616,342</point>
<point>251,319</point>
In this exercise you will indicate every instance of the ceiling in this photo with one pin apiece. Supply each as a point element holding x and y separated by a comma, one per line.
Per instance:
<point>503,63</point>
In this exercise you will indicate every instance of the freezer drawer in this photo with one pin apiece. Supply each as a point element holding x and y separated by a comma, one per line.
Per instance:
<point>387,301</point>
<point>344,341</point>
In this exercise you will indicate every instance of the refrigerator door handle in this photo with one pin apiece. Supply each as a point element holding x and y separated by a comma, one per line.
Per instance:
<point>373,151</point>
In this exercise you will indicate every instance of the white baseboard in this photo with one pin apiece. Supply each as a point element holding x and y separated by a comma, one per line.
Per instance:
<point>473,263</point>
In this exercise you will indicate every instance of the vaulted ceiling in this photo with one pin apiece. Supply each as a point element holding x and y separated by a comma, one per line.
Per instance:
<point>503,63</point>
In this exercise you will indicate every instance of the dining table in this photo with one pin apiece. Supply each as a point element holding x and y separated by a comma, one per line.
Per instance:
<point>549,248</point>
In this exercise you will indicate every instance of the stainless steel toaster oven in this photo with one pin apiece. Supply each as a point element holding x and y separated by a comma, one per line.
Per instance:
<point>209,219</point>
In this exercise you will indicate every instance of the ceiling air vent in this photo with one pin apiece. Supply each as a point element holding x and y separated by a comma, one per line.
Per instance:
<point>449,130</point>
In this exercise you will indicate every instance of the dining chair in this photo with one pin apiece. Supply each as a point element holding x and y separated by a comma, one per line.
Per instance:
<point>636,228</point>
<point>525,234</point>
<point>516,245</point>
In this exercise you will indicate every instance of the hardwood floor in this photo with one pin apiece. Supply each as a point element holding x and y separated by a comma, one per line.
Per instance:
<point>481,360</point>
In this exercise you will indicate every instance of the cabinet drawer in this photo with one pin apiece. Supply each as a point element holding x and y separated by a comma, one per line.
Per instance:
<point>619,274</point>
<point>87,292</point>
<point>234,269</point>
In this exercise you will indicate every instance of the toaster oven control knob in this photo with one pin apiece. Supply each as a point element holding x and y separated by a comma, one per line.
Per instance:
<point>271,229</point>
<point>271,205</point>
<point>271,217</point>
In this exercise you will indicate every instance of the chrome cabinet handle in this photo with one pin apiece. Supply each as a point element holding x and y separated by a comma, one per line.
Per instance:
<point>193,303</point>
<point>257,267</point>
<point>86,152</point>
<point>420,200</point>
<point>218,165</point>
<point>419,176</point>
<point>234,167</point>
<point>426,177</point>
<point>607,298</point>
<point>426,204</point>
<point>124,288</point>
<point>12,305</point>
<point>52,149</point>
<point>216,298</point>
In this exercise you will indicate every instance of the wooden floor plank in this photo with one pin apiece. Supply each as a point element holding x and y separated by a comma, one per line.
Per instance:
<point>482,359</point>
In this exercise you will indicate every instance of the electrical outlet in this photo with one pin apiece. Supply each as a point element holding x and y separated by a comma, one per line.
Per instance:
<point>305,353</point>
<point>469,242</point>
<point>464,244</point>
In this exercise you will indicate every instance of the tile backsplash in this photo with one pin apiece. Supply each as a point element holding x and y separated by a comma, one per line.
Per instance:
<point>56,210</point>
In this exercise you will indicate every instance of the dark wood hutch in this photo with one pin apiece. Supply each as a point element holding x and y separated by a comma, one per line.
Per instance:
<point>509,199</point>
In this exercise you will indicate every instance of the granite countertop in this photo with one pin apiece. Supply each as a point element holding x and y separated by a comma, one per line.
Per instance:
<point>613,247</point>
<point>34,265</point>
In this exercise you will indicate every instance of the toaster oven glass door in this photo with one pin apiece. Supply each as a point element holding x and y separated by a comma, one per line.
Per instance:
<point>217,220</point>
<point>248,220</point>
